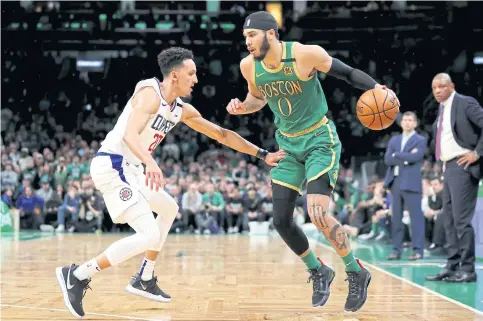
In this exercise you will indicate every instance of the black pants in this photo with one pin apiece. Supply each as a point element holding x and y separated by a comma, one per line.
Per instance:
<point>31,221</point>
<point>435,231</point>
<point>459,202</point>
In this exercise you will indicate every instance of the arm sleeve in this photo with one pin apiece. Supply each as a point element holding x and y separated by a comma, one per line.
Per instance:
<point>354,77</point>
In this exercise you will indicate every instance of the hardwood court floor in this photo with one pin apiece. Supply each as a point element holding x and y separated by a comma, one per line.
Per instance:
<point>210,278</point>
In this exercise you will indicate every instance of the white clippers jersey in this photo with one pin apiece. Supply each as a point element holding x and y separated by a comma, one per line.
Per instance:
<point>156,129</point>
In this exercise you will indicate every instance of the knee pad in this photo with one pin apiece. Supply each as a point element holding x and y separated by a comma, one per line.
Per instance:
<point>166,209</point>
<point>320,186</point>
<point>164,205</point>
<point>283,206</point>
<point>141,219</point>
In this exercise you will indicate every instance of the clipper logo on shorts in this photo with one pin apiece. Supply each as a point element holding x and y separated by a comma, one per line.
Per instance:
<point>125,194</point>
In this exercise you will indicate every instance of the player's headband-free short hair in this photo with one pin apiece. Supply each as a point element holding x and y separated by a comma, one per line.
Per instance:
<point>261,20</point>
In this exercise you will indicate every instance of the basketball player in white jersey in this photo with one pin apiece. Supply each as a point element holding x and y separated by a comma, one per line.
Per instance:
<point>131,196</point>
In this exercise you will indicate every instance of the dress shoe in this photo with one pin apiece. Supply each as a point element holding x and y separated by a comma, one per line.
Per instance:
<point>394,256</point>
<point>462,277</point>
<point>415,256</point>
<point>443,274</point>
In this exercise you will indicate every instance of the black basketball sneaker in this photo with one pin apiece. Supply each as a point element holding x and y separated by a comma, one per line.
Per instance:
<point>73,289</point>
<point>148,289</point>
<point>358,284</point>
<point>322,278</point>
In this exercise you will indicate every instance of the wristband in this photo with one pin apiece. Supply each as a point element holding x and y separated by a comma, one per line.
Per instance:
<point>262,153</point>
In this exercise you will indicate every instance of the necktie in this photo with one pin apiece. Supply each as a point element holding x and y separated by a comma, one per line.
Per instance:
<point>439,131</point>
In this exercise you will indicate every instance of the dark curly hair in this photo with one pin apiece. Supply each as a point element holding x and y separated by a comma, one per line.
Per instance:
<point>171,58</point>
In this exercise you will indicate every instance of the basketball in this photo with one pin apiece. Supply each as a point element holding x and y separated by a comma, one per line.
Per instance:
<point>377,109</point>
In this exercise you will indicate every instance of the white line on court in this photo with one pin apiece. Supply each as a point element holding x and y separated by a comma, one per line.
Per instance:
<point>410,282</point>
<point>87,313</point>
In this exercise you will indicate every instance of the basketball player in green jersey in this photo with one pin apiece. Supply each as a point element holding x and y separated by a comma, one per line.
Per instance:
<point>284,75</point>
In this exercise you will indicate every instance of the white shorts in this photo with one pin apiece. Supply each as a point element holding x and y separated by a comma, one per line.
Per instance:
<point>121,183</point>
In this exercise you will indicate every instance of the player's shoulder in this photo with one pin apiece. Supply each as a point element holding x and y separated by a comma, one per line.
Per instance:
<point>189,111</point>
<point>148,82</point>
<point>302,50</point>
<point>247,63</point>
<point>247,66</point>
<point>147,95</point>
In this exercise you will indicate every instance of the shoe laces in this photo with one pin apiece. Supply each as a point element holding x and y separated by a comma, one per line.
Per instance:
<point>155,283</point>
<point>316,276</point>
<point>85,285</point>
<point>353,278</point>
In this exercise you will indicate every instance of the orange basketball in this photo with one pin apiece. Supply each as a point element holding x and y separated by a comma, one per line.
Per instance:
<point>377,109</point>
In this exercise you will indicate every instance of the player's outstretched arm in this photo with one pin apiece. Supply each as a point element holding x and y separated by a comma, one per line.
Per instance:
<point>145,104</point>
<point>254,100</point>
<point>194,120</point>
<point>322,61</point>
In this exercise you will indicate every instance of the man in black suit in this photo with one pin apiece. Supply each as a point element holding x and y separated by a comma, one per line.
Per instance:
<point>459,144</point>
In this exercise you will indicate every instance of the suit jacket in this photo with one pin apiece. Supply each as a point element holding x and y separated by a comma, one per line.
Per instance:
<point>409,163</point>
<point>467,128</point>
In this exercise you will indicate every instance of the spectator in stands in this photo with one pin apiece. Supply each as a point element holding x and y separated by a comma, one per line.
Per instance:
<point>61,173</point>
<point>379,219</point>
<point>235,211</point>
<point>7,197</point>
<point>30,209</point>
<point>240,172</point>
<point>29,172</point>
<point>404,158</point>
<point>170,149</point>
<point>90,212</point>
<point>9,178</point>
<point>434,219</point>
<point>251,204</point>
<point>362,223</point>
<point>69,210</point>
<point>75,169</point>
<point>361,215</point>
<point>213,205</point>
<point>191,205</point>
<point>24,158</point>
<point>45,192</point>
<point>266,206</point>
<point>459,144</point>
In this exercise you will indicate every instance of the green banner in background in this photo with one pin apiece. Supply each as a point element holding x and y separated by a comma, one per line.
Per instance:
<point>5,218</point>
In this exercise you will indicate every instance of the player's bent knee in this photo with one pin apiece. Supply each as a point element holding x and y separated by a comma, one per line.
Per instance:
<point>320,186</point>
<point>141,219</point>
<point>164,206</point>
<point>152,236</point>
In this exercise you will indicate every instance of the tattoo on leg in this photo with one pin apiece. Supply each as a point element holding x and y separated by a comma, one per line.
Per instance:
<point>338,237</point>
<point>318,215</point>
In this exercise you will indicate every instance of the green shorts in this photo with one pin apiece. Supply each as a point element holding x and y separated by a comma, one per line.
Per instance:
<point>309,156</point>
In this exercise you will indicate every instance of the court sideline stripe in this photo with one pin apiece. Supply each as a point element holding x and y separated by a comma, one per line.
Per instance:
<point>410,282</point>
<point>87,313</point>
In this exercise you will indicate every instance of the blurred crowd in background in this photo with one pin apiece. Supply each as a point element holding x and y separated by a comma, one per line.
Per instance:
<point>55,114</point>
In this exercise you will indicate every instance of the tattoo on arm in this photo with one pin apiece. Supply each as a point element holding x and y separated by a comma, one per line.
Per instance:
<point>318,215</point>
<point>338,237</point>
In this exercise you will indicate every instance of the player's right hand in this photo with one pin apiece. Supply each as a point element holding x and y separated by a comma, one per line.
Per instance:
<point>235,106</point>
<point>272,159</point>
<point>154,176</point>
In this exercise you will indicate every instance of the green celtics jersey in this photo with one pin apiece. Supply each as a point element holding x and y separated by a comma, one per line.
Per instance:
<point>296,104</point>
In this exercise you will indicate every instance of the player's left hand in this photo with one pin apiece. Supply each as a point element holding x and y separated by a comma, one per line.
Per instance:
<point>272,159</point>
<point>392,93</point>
<point>467,159</point>
<point>235,107</point>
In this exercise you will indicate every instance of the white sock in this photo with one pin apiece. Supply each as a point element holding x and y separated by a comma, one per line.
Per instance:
<point>147,269</point>
<point>87,270</point>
